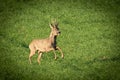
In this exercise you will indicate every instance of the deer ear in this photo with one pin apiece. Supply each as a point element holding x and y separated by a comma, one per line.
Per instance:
<point>51,25</point>
<point>57,24</point>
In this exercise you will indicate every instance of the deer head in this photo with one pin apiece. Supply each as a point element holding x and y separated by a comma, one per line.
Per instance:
<point>54,28</point>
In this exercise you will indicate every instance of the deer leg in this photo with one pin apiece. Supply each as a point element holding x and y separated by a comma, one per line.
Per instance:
<point>55,54</point>
<point>58,48</point>
<point>39,56</point>
<point>30,56</point>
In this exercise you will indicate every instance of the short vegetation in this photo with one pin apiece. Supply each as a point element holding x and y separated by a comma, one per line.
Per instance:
<point>90,39</point>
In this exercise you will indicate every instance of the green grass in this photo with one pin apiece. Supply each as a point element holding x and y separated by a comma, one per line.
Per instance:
<point>89,39</point>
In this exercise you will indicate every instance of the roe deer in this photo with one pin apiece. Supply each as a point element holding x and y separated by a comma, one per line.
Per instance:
<point>46,45</point>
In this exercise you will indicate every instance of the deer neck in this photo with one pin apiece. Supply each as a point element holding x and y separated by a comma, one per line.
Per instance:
<point>53,38</point>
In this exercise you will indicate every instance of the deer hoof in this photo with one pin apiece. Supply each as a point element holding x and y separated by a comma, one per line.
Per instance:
<point>39,63</point>
<point>62,57</point>
<point>56,58</point>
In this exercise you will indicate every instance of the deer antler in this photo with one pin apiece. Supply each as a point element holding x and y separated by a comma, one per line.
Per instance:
<point>54,22</point>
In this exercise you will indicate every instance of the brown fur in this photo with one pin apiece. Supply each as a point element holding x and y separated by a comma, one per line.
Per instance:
<point>45,45</point>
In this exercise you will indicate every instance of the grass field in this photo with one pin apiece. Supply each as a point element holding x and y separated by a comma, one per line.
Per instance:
<point>90,39</point>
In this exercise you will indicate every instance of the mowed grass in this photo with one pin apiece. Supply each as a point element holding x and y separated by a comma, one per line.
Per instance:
<point>89,39</point>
